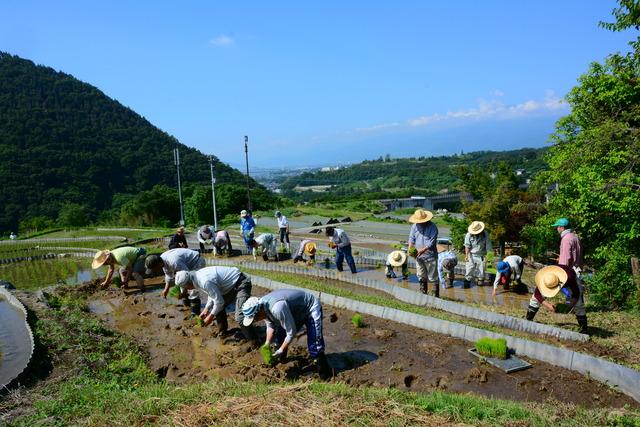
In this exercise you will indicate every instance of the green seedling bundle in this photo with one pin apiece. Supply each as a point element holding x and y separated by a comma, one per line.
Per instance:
<point>174,292</point>
<point>413,252</point>
<point>267,355</point>
<point>357,320</point>
<point>492,347</point>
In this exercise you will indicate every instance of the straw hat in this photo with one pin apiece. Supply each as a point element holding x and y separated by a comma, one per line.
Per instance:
<point>310,248</point>
<point>550,279</point>
<point>420,216</point>
<point>476,227</point>
<point>397,258</point>
<point>100,258</point>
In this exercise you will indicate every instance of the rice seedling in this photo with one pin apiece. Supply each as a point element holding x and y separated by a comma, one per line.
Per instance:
<point>267,355</point>
<point>492,347</point>
<point>357,320</point>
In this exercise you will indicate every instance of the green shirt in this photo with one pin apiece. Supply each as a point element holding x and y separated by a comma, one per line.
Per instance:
<point>125,256</point>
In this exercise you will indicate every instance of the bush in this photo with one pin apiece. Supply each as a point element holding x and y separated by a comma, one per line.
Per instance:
<point>612,285</point>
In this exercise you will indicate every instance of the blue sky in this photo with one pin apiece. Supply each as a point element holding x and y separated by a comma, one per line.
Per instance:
<point>329,82</point>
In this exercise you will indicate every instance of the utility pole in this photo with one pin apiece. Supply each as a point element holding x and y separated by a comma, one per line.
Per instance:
<point>213,194</point>
<point>176,159</point>
<point>246,156</point>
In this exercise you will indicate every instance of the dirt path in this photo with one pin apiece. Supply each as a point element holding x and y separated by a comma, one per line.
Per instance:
<point>381,354</point>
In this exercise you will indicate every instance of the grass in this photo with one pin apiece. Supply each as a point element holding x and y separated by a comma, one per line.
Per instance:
<point>133,234</point>
<point>492,347</point>
<point>101,378</point>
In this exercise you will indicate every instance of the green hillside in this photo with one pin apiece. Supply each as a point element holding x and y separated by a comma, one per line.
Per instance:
<point>63,141</point>
<point>387,177</point>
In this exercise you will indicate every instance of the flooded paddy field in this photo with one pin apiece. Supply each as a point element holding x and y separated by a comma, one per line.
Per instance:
<point>382,354</point>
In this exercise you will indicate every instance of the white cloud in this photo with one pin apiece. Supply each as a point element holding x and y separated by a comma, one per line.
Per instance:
<point>496,93</point>
<point>378,127</point>
<point>222,40</point>
<point>495,109</point>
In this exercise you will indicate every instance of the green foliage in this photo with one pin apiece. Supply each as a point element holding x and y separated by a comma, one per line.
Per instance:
<point>267,355</point>
<point>64,141</point>
<point>498,202</point>
<point>458,229</point>
<point>492,347</point>
<point>595,162</point>
<point>73,215</point>
<point>158,206</point>
<point>357,321</point>
<point>396,178</point>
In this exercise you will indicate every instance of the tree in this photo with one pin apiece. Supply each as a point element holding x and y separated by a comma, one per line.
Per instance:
<point>73,215</point>
<point>595,160</point>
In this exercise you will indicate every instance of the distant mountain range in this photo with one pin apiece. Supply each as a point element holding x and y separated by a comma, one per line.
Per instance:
<point>65,141</point>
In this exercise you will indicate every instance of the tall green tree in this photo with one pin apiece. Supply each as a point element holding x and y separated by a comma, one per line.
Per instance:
<point>595,163</point>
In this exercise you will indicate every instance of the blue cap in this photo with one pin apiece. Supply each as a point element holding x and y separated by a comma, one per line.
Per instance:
<point>561,222</point>
<point>503,267</point>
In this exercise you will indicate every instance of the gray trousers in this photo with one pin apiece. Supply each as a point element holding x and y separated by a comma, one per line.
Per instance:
<point>475,267</point>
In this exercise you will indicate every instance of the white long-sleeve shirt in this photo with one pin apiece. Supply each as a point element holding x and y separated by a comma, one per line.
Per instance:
<point>515,263</point>
<point>282,221</point>
<point>178,259</point>
<point>215,282</point>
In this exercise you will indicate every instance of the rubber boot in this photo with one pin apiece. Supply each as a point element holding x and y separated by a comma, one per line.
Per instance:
<point>223,324</point>
<point>436,289</point>
<point>450,283</point>
<point>324,369</point>
<point>186,302</point>
<point>531,312</point>
<point>195,306</point>
<point>424,287</point>
<point>467,284</point>
<point>582,321</point>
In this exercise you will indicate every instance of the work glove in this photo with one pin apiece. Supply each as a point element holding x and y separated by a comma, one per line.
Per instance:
<point>278,353</point>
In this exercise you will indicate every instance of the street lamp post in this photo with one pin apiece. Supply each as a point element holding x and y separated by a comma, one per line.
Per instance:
<point>246,156</point>
<point>176,159</point>
<point>213,195</point>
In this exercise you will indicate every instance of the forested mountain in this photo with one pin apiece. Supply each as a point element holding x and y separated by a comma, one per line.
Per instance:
<point>63,141</point>
<point>388,177</point>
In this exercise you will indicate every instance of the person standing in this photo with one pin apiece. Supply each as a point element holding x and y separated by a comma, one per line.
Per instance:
<point>178,240</point>
<point>423,236</point>
<point>553,279</point>
<point>205,235</point>
<point>447,261</point>
<point>222,243</point>
<point>397,259</point>
<point>509,269</point>
<point>247,228</point>
<point>307,247</point>
<point>476,246</point>
<point>285,311</point>
<point>172,261</point>
<point>283,227</point>
<point>339,241</point>
<point>131,261</point>
<point>570,246</point>
<point>223,286</point>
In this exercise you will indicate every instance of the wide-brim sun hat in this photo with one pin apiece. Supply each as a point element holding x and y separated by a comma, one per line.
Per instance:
<point>310,248</point>
<point>249,310</point>
<point>100,258</point>
<point>549,280</point>
<point>396,258</point>
<point>420,216</point>
<point>476,227</point>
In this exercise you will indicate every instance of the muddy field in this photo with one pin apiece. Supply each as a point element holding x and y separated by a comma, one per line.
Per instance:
<point>383,354</point>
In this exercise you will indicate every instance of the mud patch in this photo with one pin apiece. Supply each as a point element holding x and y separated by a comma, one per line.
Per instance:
<point>384,354</point>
